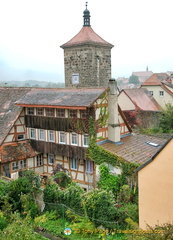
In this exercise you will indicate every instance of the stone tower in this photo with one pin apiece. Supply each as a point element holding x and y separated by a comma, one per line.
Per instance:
<point>87,58</point>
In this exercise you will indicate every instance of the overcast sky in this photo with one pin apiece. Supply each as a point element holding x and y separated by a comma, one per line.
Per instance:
<point>31,32</point>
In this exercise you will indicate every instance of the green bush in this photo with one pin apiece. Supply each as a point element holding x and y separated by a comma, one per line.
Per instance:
<point>99,207</point>
<point>3,221</point>
<point>72,197</point>
<point>109,181</point>
<point>62,179</point>
<point>20,229</point>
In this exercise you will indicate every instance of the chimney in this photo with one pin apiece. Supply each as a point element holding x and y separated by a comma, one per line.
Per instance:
<point>113,124</point>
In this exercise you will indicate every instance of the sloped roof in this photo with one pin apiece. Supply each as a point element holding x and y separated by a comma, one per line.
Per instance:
<point>142,99</point>
<point>16,151</point>
<point>86,36</point>
<point>143,73</point>
<point>156,79</point>
<point>8,110</point>
<point>134,147</point>
<point>154,156</point>
<point>61,97</point>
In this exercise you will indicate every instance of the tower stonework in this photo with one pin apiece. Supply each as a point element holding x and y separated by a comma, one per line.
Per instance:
<point>87,58</point>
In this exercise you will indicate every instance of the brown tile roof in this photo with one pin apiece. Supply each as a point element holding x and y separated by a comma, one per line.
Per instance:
<point>86,36</point>
<point>142,99</point>
<point>135,148</point>
<point>63,97</point>
<point>16,151</point>
<point>8,111</point>
<point>156,79</point>
<point>154,156</point>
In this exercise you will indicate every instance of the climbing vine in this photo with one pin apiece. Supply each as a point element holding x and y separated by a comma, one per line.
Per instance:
<point>99,155</point>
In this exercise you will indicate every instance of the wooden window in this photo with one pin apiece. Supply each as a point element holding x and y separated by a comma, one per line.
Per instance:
<point>22,164</point>
<point>89,166</point>
<point>40,111</point>
<point>62,137</point>
<point>72,113</point>
<point>51,159</point>
<point>41,134</point>
<point>51,136</point>
<point>74,139</point>
<point>32,133</point>
<point>60,113</point>
<point>39,160</point>
<point>83,114</point>
<point>30,111</point>
<point>85,140</point>
<point>49,112</point>
<point>14,166</point>
<point>73,163</point>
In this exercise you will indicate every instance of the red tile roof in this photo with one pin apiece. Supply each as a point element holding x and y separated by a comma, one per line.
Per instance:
<point>156,79</point>
<point>86,36</point>
<point>135,148</point>
<point>16,151</point>
<point>142,99</point>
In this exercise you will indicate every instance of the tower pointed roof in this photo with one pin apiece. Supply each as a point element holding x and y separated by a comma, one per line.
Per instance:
<point>86,35</point>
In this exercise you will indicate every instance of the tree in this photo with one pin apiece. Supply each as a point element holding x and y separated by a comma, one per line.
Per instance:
<point>134,79</point>
<point>99,207</point>
<point>166,120</point>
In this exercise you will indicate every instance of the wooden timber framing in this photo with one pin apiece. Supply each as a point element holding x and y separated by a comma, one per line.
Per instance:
<point>59,149</point>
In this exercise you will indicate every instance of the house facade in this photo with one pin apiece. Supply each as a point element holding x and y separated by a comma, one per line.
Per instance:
<point>52,127</point>
<point>155,183</point>
<point>139,107</point>
<point>161,88</point>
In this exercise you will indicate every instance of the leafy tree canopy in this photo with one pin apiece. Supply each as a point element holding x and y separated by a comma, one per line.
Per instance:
<point>134,79</point>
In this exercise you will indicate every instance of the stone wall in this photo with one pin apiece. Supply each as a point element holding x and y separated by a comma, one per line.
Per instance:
<point>92,63</point>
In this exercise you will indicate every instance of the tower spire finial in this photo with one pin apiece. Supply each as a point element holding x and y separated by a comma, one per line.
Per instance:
<point>86,16</point>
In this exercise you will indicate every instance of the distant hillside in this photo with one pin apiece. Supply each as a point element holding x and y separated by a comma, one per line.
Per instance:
<point>32,83</point>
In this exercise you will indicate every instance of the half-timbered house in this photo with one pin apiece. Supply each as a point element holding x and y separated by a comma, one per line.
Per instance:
<point>51,126</point>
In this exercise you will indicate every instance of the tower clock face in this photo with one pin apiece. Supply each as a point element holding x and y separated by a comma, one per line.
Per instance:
<point>75,78</point>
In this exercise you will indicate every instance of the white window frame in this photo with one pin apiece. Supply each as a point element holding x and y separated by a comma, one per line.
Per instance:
<point>83,114</point>
<point>72,113</point>
<point>85,139</point>
<point>15,166</point>
<point>51,159</point>
<point>40,111</point>
<point>22,164</point>
<point>32,133</point>
<point>60,113</point>
<point>111,167</point>
<point>30,111</point>
<point>50,112</point>
<point>89,166</point>
<point>74,139</point>
<point>73,163</point>
<point>39,159</point>
<point>21,138</point>
<point>51,136</point>
<point>62,135</point>
<point>161,93</point>
<point>41,134</point>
